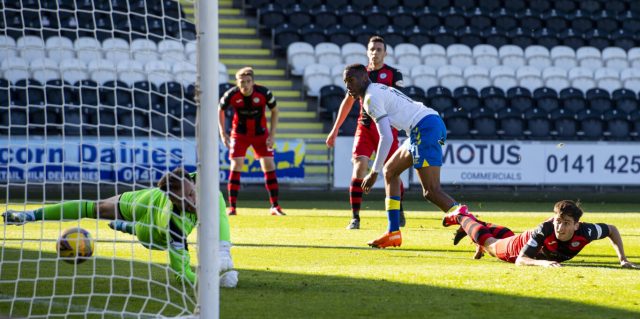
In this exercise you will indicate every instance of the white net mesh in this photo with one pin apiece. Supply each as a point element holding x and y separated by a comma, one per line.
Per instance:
<point>96,99</point>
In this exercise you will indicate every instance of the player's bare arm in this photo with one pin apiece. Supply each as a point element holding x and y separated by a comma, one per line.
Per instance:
<point>272,130</point>
<point>343,112</point>
<point>528,261</point>
<point>223,135</point>
<point>616,242</point>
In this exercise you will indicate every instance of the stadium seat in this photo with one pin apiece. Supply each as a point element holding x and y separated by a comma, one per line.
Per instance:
<point>31,47</point>
<point>572,100</point>
<point>29,92</point>
<point>563,57</point>
<point>433,55</point>
<point>315,77</point>
<point>631,79</point>
<point>520,99</point>
<point>634,118</point>
<point>350,17</point>
<point>299,55</point>
<point>416,94</point>
<point>44,69</point>
<point>191,51</point>
<point>520,37</point>
<point>15,68</point>
<point>537,56</point>
<point>329,101</point>
<point>503,77</point>
<point>402,18</point>
<point>571,38</point>
<point>299,15</point>
<point>493,98</point>
<point>529,77</point>
<point>605,22</point>
<point>486,55</point>
<point>555,77</point>
<point>599,100</point>
<point>597,39</point>
<point>582,78</point>
<point>144,50</point>
<point>407,54</point>
<point>87,93</point>
<point>450,76</point>
<point>457,122</point>
<point>484,124</point>
<point>325,53</point>
<point>87,49</point>
<point>546,99</point>
<point>59,93</point>
<point>564,124</point>
<point>453,17</point>
<point>633,55</point>
<point>443,36</point>
<point>271,15</point>
<point>185,73</point>
<point>158,72</point>
<point>114,93</point>
<point>73,70</point>
<point>504,19</point>
<point>589,57</point>
<point>102,71</point>
<point>495,37</point>
<point>171,50</point>
<point>591,126</point>
<point>617,125</point>
<point>511,124</point>
<point>59,48</point>
<point>511,56</point>
<point>7,47</point>
<point>459,55</point>
<point>284,35</point>
<point>417,35</point>
<point>5,97</point>
<point>116,49</point>
<point>467,98</point>
<point>313,34</point>
<point>18,120</point>
<point>555,21</point>
<point>354,53</point>
<point>469,36</point>
<point>440,99</point>
<point>538,124</point>
<point>625,101</point>
<point>477,77</point>
<point>130,71</point>
<point>424,76</point>
<point>376,17</point>
<point>528,18</point>
<point>324,16</point>
<point>427,19</point>
<point>336,75</point>
<point>339,35</point>
<point>615,58</point>
<point>608,79</point>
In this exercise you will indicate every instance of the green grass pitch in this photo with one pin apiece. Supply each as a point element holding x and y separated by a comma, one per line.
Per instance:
<point>307,265</point>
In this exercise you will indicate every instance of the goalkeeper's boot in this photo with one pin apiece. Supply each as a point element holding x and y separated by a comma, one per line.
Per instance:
<point>389,239</point>
<point>231,211</point>
<point>277,211</point>
<point>403,220</point>
<point>459,235</point>
<point>229,279</point>
<point>354,224</point>
<point>12,217</point>
<point>224,252</point>
<point>452,218</point>
<point>123,226</point>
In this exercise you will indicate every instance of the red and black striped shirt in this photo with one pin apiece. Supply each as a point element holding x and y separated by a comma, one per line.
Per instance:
<point>249,118</point>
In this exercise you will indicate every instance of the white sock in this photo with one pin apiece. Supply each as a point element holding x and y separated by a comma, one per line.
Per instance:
<point>229,279</point>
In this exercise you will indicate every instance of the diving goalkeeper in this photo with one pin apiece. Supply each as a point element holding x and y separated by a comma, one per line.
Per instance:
<point>161,218</point>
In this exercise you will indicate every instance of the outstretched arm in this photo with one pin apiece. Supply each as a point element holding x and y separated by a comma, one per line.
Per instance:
<point>528,261</point>
<point>616,242</point>
<point>343,112</point>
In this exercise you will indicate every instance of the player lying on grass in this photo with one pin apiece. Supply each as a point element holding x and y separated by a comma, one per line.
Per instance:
<point>161,218</point>
<point>391,108</point>
<point>557,239</point>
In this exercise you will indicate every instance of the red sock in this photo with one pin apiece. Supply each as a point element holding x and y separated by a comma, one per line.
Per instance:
<point>355,197</point>
<point>478,232</point>
<point>233,187</point>
<point>271,183</point>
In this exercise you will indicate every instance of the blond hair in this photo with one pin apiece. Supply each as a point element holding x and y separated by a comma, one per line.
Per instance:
<point>246,71</point>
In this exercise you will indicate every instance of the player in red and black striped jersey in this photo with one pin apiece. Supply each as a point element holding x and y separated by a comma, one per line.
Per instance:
<point>249,128</point>
<point>557,239</point>
<point>366,136</point>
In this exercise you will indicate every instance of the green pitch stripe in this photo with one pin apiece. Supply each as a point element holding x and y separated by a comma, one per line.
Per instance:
<point>252,62</point>
<point>299,126</point>
<point>252,42</point>
<point>237,31</point>
<point>241,52</point>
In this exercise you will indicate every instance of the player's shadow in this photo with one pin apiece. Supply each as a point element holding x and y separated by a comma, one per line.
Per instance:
<point>403,250</point>
<point>101,287</point>
<point>270,294</point>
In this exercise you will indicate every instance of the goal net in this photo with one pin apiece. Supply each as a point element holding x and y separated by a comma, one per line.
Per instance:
<point>96,99</point>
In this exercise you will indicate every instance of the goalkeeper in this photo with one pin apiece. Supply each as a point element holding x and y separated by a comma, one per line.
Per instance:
<point>161,218</point>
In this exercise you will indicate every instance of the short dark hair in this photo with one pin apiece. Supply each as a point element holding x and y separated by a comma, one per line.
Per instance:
<point>356,67</point>
<point>173,181</point>
<point>568,208</point>
<point>379,39</point>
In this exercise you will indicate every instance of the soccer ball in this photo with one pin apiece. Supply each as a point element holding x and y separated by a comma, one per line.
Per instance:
<point>75,245</point>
